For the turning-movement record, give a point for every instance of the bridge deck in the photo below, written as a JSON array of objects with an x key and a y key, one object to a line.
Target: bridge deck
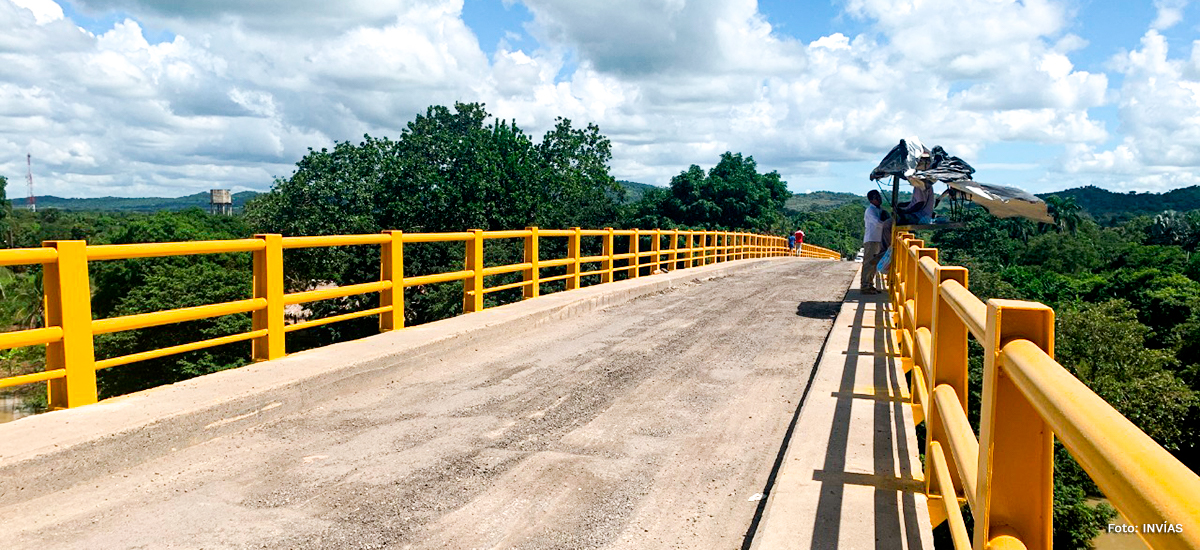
[{"x": 651, "y": 424}]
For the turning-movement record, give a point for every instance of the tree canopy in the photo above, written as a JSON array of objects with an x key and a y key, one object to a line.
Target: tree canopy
[{"x": 732, "y": 195}]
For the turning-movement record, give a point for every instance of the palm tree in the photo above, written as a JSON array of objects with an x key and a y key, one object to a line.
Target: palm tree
[
  {"x": 22, "y": 299},
  {"x": 1066, "y": 213},
  {"x": 1170, "y": 227}
]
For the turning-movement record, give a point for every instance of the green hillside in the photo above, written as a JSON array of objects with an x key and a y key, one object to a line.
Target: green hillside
[
  {"x": 818, "y": 201},
  {"x": 124, "y": 204},
  {"x": 1108, "y": 207},
  {"x": 635, "y": 190}
]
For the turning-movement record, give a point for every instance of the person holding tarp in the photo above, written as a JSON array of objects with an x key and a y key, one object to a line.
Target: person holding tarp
[
  {"x": 874, "y": 224},
  {"x": 919, "y": 210},
  {"x": 911, "y": 161}
]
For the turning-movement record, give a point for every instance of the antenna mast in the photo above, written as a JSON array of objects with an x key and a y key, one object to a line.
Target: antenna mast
[{"x": 29, "y": 178}]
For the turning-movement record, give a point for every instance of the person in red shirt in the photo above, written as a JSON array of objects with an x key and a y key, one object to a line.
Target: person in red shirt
[{"x": 799, "y": 241}]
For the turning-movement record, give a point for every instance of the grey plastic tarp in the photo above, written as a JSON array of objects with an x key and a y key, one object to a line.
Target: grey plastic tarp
[{"x": 1003, "y": 201}]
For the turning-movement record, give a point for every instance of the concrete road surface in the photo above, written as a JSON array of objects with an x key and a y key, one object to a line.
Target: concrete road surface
[{"x": 650, "y": 424}]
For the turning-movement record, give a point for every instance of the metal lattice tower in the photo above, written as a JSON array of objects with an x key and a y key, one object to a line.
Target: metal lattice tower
[{"x": 29, "y": 178}]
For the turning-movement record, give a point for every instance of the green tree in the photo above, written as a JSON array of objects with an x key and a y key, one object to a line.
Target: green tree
[
  {"x": 449, "y": 170},
  {"x": 1066, "y": 212},
  {"x": 732, "y": 195},
  {"x": 127, "y": 287},
  {"x": 1170, "y": 227},
  {"x": 1137, "y": 381},
  {"x": 839, "y": 229},
  {"x": 985, "y": 241},
  {"x": 167, "y": 285},
  {"x": 1062, "y": 253}
]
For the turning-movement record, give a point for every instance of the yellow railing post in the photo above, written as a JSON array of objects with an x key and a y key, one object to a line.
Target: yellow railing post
[
  {"x": 1016, "y": 452},
  {"x": 674, "y": 249},
  {"x": 635, "y": 262},
  {"x": 391, "y": 268},
  {"x": 68, "y": 301},
  {"x": 691, "y": 251},
  {"x": 924, "y": 295},
  {"x": 609, "y": 251},
  {"x": 473, "y": 286},
  {"x": 923, "y": 298},
  {"x": 657, "y": 249},
  {"x": 895, "y": 276},
  {"x": 268, "y": 285},
  {"x": 740, "y": 241},
  {"x": 709, "y": 247},
  {"x": 532, "y": 275},
  {"x": 910, "y": 269},
  {"x": 949, "y": 365},
  {"x": 573, "y": 252}
]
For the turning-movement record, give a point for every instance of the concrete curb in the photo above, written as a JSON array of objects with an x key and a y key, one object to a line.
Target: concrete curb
[{"x": 50, "y": 452}]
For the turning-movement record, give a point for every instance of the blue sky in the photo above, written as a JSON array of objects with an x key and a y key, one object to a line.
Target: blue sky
[{"x": 155, "y": 97}]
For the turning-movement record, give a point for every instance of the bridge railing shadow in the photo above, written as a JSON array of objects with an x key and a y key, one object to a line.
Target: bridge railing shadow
[{"x": 868, "y": 359}]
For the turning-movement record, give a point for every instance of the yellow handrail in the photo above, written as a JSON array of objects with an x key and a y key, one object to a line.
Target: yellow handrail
[
  {"x": 69, "y": 335},
  {"x": 1006, "y": 473},
  {"x": 806, "y": 250}
]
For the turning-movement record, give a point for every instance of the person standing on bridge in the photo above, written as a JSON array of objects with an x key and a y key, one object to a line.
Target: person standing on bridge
[
  {"x": 799, "y": 237},
  {"x": 873, "y": 225}
]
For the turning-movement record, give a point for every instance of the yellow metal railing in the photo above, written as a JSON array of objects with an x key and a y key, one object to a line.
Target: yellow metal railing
[
  {"x": 69, "y": 333},
  {"x": 1006, "y": 474},
  {"x": 811, "y": 251}
]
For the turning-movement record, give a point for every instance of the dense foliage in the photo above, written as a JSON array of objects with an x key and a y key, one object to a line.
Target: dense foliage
[
  {"x": 731, "y": 195},
  {"x": 839, "y": 229},
  {"x": 134, "y": 286},
  {"x": 449, "y": 170}
]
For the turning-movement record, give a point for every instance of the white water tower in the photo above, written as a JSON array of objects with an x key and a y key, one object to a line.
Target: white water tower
[{"x": 220, "y": 202}]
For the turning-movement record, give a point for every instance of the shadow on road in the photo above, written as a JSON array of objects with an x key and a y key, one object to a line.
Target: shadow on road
[{"x": 818, "y": 310}]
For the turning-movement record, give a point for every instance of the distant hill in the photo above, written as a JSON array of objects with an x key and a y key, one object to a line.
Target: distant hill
[
  {"x": 1107, "y": 207},
  {"x": 818, "y": 201},
  {"x": 635, "y": 190},
  {"x": 123, "y": 204}
]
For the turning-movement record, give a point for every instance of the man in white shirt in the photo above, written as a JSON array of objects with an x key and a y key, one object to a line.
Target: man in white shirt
[{"x": 873, "y": 229}]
